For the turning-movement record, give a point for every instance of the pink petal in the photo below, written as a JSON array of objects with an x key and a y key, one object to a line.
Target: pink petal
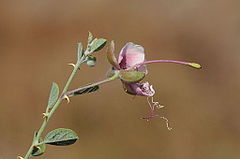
[
  {"x": 142, "y": 68},
  {"x": 143, "y": 89},
  {"x": 130, "y": 55}
]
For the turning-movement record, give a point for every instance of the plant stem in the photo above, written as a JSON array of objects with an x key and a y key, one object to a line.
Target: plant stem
[
  {"x": 56, "y": 105},
  {"x": 115, "y": 76}
]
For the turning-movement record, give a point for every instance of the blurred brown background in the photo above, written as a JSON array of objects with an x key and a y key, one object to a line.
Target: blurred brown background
[{"x": 38, "y": 39}]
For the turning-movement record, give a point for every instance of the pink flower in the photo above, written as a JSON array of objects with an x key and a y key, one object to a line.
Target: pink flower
[
  {"x": 132, "y": 57},
  {"x": 132, "y": 65}
]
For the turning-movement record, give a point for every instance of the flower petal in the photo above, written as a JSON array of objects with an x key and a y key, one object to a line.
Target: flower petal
[
  {"x": 142, "y": 68},
  {"x": 142, "y": 89},
  {"x": 130, "y": 55}
]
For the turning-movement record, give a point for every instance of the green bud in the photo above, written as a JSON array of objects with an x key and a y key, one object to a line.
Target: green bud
[{"x": 91, "y": 61}]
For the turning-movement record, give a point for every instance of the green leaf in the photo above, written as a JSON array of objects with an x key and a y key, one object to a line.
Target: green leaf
[
  {"x": 80, "y": 51},
  {"x": 39, "y": 149},
  {"x": 97, "y": 44},
  {"x": 85, "y": 91},
  {"x": 131, "y": 76},
  {"x": 61, "y": 137},
  {"x": 90, "y": 37},
  {"x": 53, "y": 95}
]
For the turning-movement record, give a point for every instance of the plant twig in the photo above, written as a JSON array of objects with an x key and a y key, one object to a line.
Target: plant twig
[{"x": 48, "y": 115}]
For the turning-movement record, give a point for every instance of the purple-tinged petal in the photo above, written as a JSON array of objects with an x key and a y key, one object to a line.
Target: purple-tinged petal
[
  {"x": 131, "y": 55},
  {"x": 142, "y": 89},
  {"x": 142, "y": 68}
]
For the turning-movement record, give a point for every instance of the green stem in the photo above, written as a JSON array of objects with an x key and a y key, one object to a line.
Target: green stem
[
  {"x": 115, "y": 76},
  {"x": 49, "y": 114}
]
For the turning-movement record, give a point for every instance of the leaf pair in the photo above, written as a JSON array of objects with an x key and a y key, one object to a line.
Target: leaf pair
[{"x": 95, "y": 44}]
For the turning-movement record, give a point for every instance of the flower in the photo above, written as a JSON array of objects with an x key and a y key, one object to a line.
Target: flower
[
  {"x": 132, "y": 57},
  {"x": 129, "y": 58},
  {"x": 131, "y": 66}
]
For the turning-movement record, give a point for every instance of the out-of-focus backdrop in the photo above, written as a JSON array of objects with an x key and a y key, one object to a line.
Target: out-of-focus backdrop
[{"x": 38, "y": 39}]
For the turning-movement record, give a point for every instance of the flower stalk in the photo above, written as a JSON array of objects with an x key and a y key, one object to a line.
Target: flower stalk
[{"x": 115, "y": 76}]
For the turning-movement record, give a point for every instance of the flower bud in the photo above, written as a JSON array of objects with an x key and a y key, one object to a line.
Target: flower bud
[{"x": 91, "y": 61}]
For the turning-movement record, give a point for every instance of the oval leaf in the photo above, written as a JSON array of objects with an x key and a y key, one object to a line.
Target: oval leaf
[
  {"x": 131, "y": 76},
  {"x": 87, "y": 90},
  {"x": 53, "y": 95},
  {"x": 97, "y": 44},
  {"x": 61, "y": 137}
]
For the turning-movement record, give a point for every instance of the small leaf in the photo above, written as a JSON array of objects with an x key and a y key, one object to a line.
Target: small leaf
[
  {"x": 39, "y": 150},
  {"x": 80, "y": 51},
  {"x": 87, "y": 90},
  {"x": 61, "y": 137},
  {"x": 131, "y": 76},
  {"x": 53, "y": 95},
  {"x": 97, "y": 44},
  {"x": 90, "y": 37}
]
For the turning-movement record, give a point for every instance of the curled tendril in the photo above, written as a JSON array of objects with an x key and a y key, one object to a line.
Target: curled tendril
[{"x": 152, "y": 104}]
